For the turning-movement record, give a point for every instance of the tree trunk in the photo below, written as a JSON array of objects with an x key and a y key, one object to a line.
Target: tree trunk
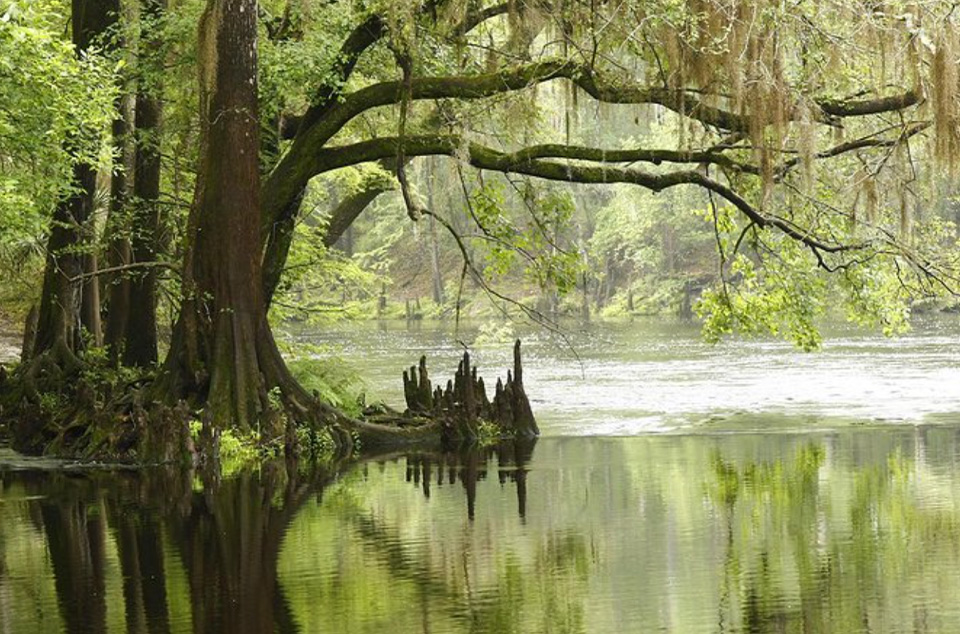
[
  {"x": 29, "y": 333},
  {"x": 63, "y": 296},
  {"x": 141, "y": 325},
  {"x": 58, "y": 323},
  {"x": 119, "y": 225},
  {"x": 223, "y": 355},
  {"x": 90, "y": 289}
]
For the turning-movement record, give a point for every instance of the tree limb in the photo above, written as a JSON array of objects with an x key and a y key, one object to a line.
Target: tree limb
[
  {"x": 516, "y": 163},
  {"x": 290, "y": 176}
]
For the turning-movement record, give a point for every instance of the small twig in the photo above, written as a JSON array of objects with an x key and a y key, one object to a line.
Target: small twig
[{"x": 126, "y": 267}]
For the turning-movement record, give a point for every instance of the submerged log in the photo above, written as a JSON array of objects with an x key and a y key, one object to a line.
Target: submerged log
[{"x": 463, "y": 406}]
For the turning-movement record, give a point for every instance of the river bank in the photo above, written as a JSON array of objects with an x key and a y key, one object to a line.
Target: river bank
[{"x": 727, "y": 482}]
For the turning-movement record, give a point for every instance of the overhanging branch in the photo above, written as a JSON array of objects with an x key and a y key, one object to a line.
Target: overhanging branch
[{"x": 587, "y": 172}]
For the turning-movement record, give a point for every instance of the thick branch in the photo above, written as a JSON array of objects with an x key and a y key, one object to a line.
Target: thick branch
[
  {"x": 516, "y": 163},
  {"x": 424, "y": 145},
  {"x": 284, "y": 186},
  {"x": 307, "y": 156},
  {"x": 337, "y": 157},
  {"x": 365, "y": 35},
  {"x": 281, "y": 235},
  {"x": 476, "y": 18},
  {"x": 863, "y": 107},
  {"x": 291, "y": 175},
  {"x": 360, "y": 39},
  {"x": 610, "y": 90},
  {"x": 350, "y": 208}
]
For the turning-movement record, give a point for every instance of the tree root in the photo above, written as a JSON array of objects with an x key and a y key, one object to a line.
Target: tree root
[{"x": 57, "y": 404}]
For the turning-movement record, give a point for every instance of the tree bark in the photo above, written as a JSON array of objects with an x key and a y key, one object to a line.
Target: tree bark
[
  {"x": 140, "y": 347},
  {"x": 119, "y": 226},
  {"x": 223, "y": 355},
  {"x": 58, "y": 323},
  {"x": 90, "y": 319}
]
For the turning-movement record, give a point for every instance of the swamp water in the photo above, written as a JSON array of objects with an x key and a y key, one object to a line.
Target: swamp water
[{"x": 678, "y": 487}]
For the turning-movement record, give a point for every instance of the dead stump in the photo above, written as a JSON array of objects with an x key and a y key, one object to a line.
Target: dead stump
[{"x": 463, "y": 407}]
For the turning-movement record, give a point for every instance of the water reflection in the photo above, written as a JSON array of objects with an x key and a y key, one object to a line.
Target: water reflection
[
  {"x": 110, "y": 538},
  {"x": 856, "y": 532},
  {"x": 470, "y": 465}
]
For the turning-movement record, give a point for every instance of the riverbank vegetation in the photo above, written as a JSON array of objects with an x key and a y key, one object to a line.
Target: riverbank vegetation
[{"x": 177, "y": 177}]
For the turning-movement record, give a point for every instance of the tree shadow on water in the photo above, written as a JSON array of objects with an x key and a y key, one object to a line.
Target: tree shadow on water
[{"x": 198, "y": 552}]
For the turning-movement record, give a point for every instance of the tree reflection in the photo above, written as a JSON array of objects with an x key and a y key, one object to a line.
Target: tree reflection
[
  {"x": 796, "y": 560},
  {"x": 470, "y": 464},
  {"x": 226, "y": 533},
  {"x": 230, "y": 539},
  {"x": 76, "y": 529},
  {"x": 846, "y": 533}
]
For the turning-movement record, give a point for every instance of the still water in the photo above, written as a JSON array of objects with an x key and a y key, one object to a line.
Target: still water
[{"x": 852, "y": 525}]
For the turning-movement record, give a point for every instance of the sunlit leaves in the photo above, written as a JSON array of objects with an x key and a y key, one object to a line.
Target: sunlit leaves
[
  {"x": 53, "y": 108},
  {"x": 534, "y": 249},
  {"x": 785, "y": 296}
]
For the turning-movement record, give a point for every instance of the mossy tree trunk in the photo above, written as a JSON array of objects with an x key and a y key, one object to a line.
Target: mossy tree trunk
[
  {"x": 117, "y": 284},
  {"x": 58, "y": 321},
  {"x": 223, "y": 356}
]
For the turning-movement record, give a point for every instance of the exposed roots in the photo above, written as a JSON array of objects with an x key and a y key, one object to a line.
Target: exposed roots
[{"x": 59, "y": 404}]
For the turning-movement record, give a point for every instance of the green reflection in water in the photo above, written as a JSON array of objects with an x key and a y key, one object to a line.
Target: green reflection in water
[{"x": 851, "y": 531}]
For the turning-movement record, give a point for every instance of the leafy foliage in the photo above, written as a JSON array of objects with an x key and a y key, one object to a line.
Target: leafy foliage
[
  {"x": 332, "y": 379},
  {"x": 54, "y": 107}
]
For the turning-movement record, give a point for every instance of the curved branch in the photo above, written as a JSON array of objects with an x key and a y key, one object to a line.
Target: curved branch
[
  {"x": 476, "y": 18},
  {"x": 307, "y": 156},
  {"x": 365, "y": 35},
  {"x": 285, "y": 183},
  {"x": 516, "y": 163},
  {"x": 350, "y": 209},
  {"x": 617, "y": 90},
  {"x": 431, "y": 144},
  {"x": 360, "y": 39},
  {"x": 342, "y": 216}
]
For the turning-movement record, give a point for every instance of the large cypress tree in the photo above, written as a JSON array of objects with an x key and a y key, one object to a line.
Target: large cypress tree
[{"x": 223, "y": 355}]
